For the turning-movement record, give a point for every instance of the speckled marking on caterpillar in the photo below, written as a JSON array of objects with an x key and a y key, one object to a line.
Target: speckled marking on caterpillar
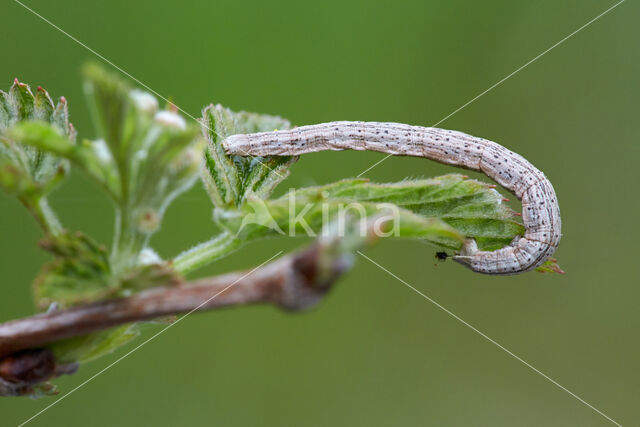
[{"x": 540, "y": 211}]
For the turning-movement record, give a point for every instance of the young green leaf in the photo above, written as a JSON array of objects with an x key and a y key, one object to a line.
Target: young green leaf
[
  {"x": 113, "y": 112},
  {"x": 550, "y": 266},
  {"x": 146, "y": 276},
  {"x": 230, "y": 179},
  {"x": 28, "y": 172},
  {"x": 473, "y": 208},
  {"x": 80, "y": 272},
  {"x": 90, "y": 157},
  {"x": 442, "y": 211},
  {"x": 92, "y": 346}
]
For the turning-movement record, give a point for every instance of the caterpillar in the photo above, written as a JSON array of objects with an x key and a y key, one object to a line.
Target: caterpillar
[{"x": 540, "y": 210}]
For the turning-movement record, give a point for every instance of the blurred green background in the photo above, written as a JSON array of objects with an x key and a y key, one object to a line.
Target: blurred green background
[{"x": 373, "y": 352}]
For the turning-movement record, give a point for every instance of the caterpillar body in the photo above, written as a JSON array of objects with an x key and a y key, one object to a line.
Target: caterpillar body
[{"x": 540, "y": 210}]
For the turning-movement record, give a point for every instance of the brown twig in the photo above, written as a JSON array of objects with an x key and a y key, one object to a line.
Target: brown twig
[{"x": 295, "y": 281}]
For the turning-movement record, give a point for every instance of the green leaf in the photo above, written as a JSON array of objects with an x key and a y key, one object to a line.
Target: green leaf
[
  {"x": 92, "y": 346},
  {"x": 149, "y": 276},
  {"x": 91, "y": 158},
  {"x": 112, "y": 109},
  {"x": 230, "y": 179},
  {"x": 473, "y": 208},
  {"x": 442, "y": 211},
  {"x": 550, "y": 266},
  {"x": 80, "y": 272},
  {"x": 42, "y": 136}
]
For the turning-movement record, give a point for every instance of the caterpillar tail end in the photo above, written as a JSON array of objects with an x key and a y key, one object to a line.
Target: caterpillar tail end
[
  {"x": 500, "y": 262},
  {"x": 466, "y": 255},
  {"x": 520, "y": 256}
]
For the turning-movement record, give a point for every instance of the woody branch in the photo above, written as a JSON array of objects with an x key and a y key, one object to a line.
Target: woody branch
[{"x": 294, "y": 282}]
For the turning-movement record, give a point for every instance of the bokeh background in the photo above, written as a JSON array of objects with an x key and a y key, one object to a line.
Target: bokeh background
[{"x": 373, "y": 352}]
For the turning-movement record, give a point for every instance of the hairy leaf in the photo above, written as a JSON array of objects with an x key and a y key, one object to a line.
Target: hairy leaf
[
  {"x": 92, "y": 346},
  {"x": 230, "y": 179},
  {"x": 79, "y": 273},
  {"x": 113, "y": 111},
  {"x": 26, "y": 171},
  {"x": 92, "y": 158},
  {"x": 473, "y": 208},
  {"x": 442, "y": 211},
  {"x": 148, "y": 276}
]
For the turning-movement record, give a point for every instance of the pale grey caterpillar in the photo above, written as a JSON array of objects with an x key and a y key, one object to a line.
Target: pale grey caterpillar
[{"x": 540, "y": 211}]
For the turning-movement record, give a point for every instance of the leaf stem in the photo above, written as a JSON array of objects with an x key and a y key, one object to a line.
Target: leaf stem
[
  {"x": 44, "y": 215},
  {"x": 206, "y": 252},
  {"x": 127, "y": 241}
]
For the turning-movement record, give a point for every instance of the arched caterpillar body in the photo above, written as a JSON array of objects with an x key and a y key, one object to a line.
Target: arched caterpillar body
[{"x": 540, "y": 211}]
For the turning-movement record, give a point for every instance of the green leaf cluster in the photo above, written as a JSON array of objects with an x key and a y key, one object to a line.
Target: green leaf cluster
[
  {"x": 24, "y": 170},
  {"x": 28, "y": 172},
  {"x": 143, "y": 157}
]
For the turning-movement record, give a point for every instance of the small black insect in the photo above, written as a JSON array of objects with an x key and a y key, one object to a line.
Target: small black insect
[{"x": 441, "y": 256}]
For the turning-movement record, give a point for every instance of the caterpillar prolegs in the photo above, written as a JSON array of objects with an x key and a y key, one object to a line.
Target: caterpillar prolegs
[{"x": 540, "y": 211}]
